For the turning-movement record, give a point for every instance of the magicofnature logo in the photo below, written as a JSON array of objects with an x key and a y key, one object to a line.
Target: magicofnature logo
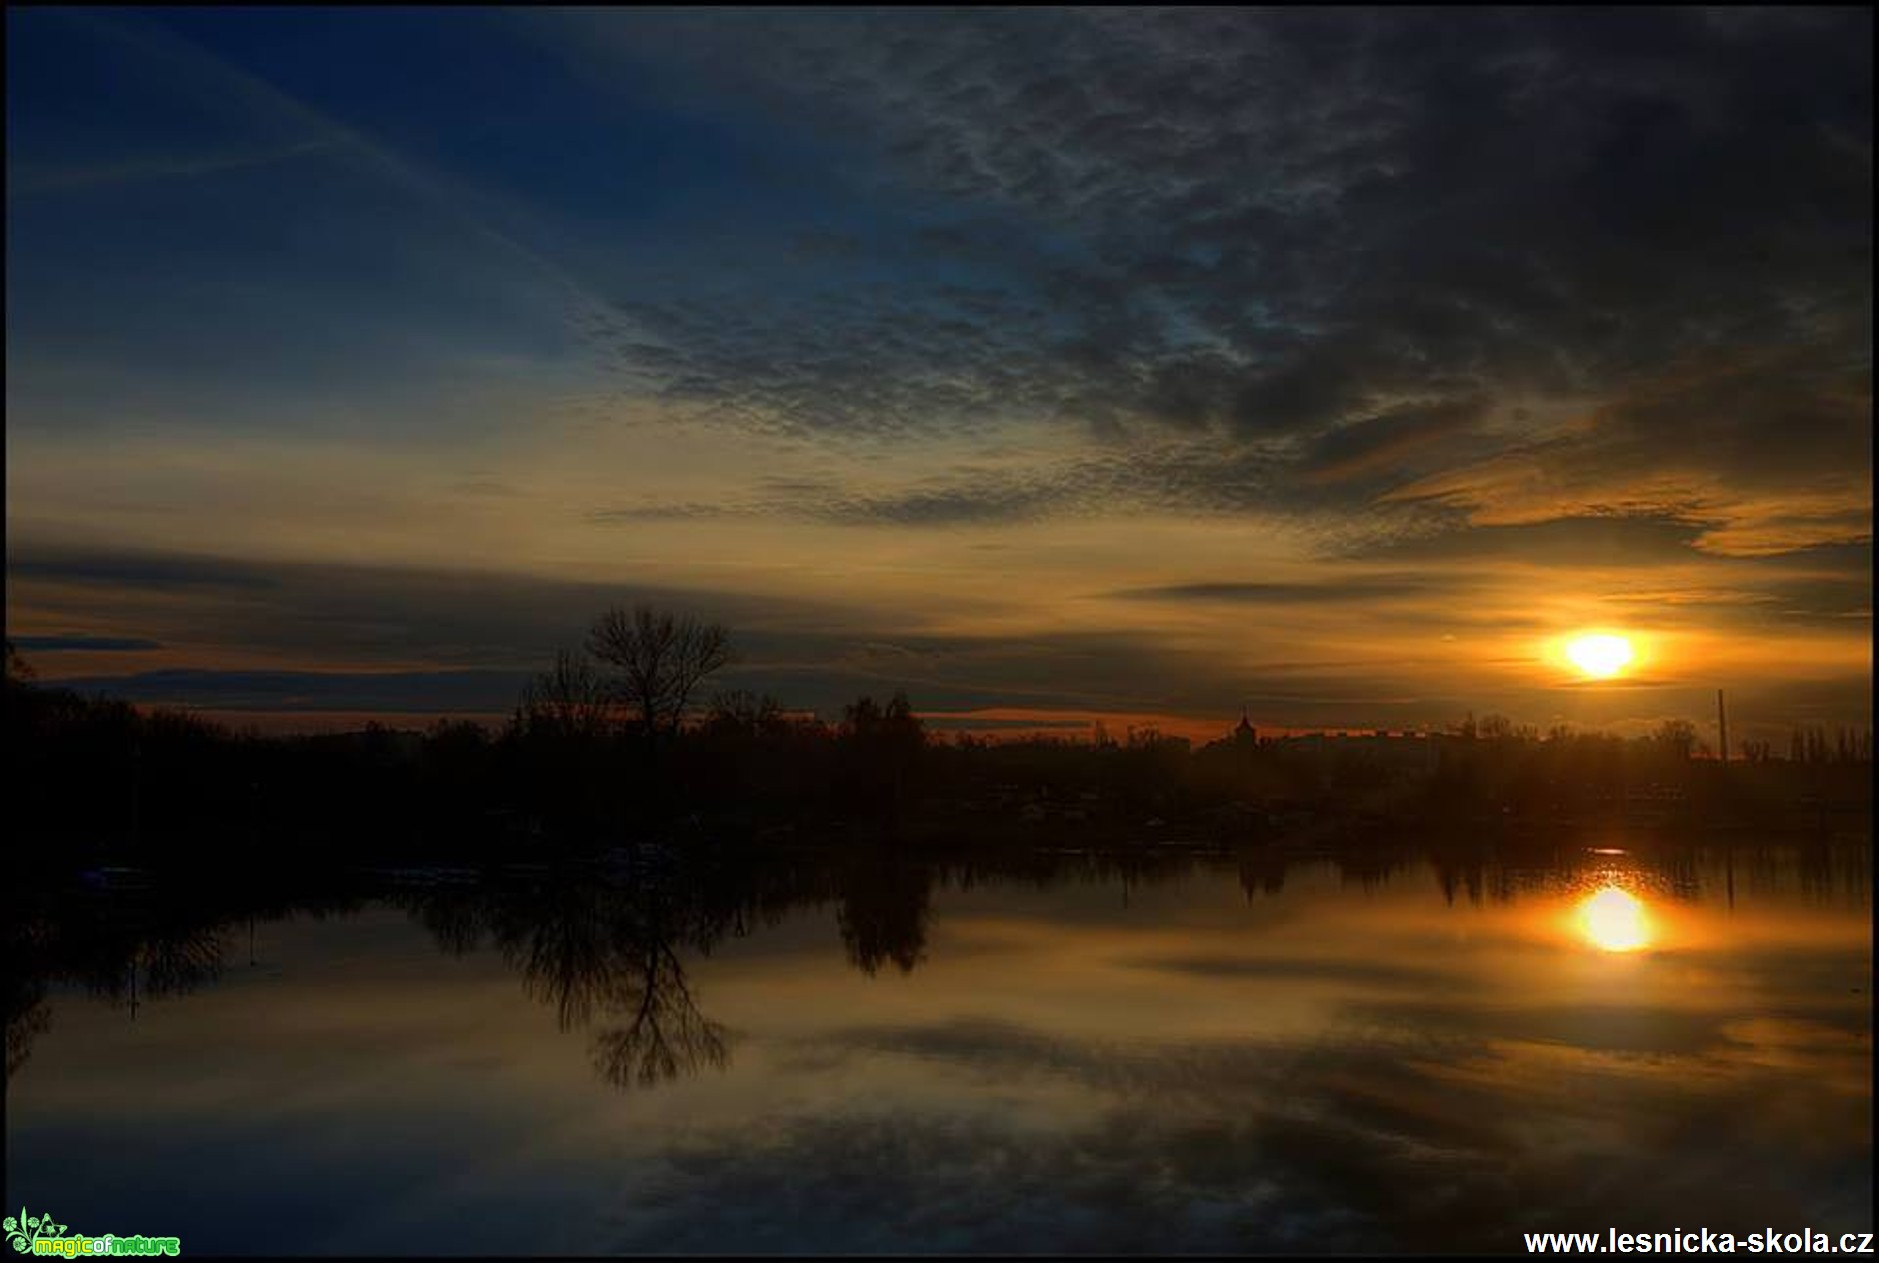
[{"x": 37, "y": 1234}]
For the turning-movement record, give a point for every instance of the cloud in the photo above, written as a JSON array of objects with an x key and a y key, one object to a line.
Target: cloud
[
  {"x": 1385, "y": 449},
  {"x": 1627, "y": 252},
  {"x": 1359, "y": 588},
  {"x": 131, "y": 570},
  {"x": 1605, "y": 539},
  {"x": 1154, "y": 476},
  {"x": 82, "y": 643},
  {"x": 422, "y": 692},
  {"x": 357, "y": 615}
]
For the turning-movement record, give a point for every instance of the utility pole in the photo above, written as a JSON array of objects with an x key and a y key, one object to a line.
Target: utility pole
[{"x": 1722, "y": 723}]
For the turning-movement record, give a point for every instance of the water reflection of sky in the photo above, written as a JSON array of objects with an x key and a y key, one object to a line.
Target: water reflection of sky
[{"x": 1179, "y": 1066}]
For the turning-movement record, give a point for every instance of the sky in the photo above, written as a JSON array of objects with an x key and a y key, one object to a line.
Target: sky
[{"x": 1336, "y": 367}]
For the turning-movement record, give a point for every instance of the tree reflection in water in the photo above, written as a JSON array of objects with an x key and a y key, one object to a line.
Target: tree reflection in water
[
  {"x": 667, "y": 1036},
  {"x": 605, "y": 945},
  {"x": 602, "y": 954},
  {"x": 883, "y": 913},
  {"x": 605, "y": 948},
  {"x": 126, "y": 947}
]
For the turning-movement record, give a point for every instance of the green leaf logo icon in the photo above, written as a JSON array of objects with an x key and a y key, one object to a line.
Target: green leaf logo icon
[{"x": 23, "y": 1231}]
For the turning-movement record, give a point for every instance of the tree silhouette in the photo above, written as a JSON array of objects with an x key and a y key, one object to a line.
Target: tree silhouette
[
  {"x": 739, "y": 713},
  {"x": 884, "y": 745},
  {"x": 1676, "y": 738},
  {"x": 17, "y": 670},
  {"x": 568, "y": 700},
  {"x": 659, "y": 660}
]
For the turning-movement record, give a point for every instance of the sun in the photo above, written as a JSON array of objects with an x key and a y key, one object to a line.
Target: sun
[
  {"x": 1614, "y": 921},
  {"x": 1600, "y": 655}
]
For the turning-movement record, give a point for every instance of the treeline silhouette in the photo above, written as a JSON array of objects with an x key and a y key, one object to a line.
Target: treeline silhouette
[{"x": 610, "y": 744}]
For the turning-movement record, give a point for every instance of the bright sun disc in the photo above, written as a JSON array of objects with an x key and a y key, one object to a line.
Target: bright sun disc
[
  {"x": 1600, "y": 656},
  {"x": 1614, "y": 921}
]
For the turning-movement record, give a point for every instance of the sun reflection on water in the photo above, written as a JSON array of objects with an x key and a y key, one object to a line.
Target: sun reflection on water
[{"x": 1614, "y": 920}]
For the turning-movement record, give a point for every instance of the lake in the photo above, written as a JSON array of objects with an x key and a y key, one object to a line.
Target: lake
[{"x": 1063, "y": 1052}]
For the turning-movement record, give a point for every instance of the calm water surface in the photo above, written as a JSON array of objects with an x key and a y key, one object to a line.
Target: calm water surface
[{"x": 1193, "y": 1055}]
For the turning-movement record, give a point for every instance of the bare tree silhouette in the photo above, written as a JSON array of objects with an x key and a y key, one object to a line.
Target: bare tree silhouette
[
  {"x": 659, "y": 659},
  {"x": 569, "y": 699},
  {"x": 741, "y": 713}
]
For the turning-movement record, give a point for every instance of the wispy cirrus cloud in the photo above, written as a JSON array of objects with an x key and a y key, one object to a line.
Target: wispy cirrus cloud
[{"x": 1585, "y": 241}]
